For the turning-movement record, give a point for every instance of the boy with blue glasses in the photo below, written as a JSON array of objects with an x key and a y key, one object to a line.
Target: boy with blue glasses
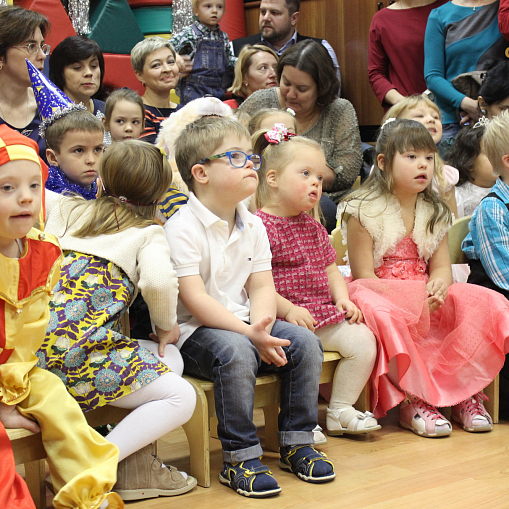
[{"x": 227, "y": 309}]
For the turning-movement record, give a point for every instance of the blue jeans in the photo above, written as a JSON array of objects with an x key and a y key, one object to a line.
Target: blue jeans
[{"x": 232, "y": 362}]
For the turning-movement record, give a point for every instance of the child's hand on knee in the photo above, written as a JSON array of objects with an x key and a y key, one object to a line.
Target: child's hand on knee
[
  {"x": 437, "y": 292},
  {"x": 164, "y": 338},
  {"x": 268, "y": 346},
  {"x": 301, "y": 316},
  {"x": 11, "y": 418},
  {"x": 352, "y": 312}
]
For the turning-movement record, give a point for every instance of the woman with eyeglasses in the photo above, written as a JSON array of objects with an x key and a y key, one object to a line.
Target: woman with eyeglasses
[
  {"x": 76, "y": 66},
  {"x": 22, "y": 35}
]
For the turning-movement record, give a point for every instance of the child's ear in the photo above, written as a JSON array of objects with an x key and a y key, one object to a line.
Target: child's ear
[
  {"x": 271, "y": 179},
  {"x": 505, "y": 161},
  {"x": 380, "y": 161},
  {"x": 105, "y": 124},
  {"x": 199, "y": 172},
  {"x": 51, "y": 157}
]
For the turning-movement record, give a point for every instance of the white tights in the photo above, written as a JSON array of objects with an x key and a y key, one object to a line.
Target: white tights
[
  {"x": 158, "y": 408},
  {"x": 357, "y": 345}
]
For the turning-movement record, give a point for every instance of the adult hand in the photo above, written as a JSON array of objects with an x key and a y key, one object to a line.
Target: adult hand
[
  {"x": 164, "y": 338},
  {"x": 268, "y": 346},
  {"x": 301, "y": 316},
  {"x": 11, "y": 418},
  {"x": 470, "y": 108}
]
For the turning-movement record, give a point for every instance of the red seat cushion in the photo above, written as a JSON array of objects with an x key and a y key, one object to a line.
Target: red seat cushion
[
  {"x": 118, "y": 73},
  {"x": 61, "y": 26}
]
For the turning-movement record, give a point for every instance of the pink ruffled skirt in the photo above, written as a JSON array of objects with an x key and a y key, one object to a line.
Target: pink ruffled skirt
[{"x": 443, "y": 357}]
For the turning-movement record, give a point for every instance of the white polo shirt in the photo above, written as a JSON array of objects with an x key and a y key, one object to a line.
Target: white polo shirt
[{"x": 200, "y": 244}]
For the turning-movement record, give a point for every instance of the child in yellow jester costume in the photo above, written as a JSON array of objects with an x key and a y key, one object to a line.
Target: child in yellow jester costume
[{"x": 82, "y": 463}]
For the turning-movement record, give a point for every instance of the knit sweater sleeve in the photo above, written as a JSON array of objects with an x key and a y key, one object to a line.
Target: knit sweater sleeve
[
  {"x": 265, "y": 98},
  {"x": 343, "y": 150},
  {"x": 157, "y": 280}
]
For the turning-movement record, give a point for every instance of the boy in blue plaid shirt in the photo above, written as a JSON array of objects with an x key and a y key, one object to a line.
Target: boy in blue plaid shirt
[
  {"x": 209, "y": 48},
  {"x": 487, "y": 244}
]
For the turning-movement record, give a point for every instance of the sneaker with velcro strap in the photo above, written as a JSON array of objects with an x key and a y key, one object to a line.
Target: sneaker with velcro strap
[
  {"x": 250, "y": 478},
  {"x": 307, "y": 463}
]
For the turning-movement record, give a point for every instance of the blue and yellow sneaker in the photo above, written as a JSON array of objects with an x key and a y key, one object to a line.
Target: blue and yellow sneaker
[
  {"x": 307, "y": 463},
  {"x": 250, "y": 478}
]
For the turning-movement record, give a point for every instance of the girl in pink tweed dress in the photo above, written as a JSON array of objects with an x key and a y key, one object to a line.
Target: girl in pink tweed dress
[
  {"x": 311, "y": 291},
  {"x": 440, "y": 344}
]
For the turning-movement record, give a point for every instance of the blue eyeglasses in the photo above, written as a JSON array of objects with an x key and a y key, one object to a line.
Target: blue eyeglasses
[{"x": 238, "y": 159}]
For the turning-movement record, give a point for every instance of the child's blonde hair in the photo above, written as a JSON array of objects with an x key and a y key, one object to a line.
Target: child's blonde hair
[
  {"x": 200, "y": 139},
  {"x": 134, "y": 175},
  {"x": 242, "y": 116},
  {"x": 496, "y": 140},
  {"x": 261, "y": 115},
  {"x": 397, "y": 137},
  {"x": 122, "y": 94},
  {"x": 409, "y": 103},
  {"x": 276, "y": 157},
  {"x": 196, "y": 3}
]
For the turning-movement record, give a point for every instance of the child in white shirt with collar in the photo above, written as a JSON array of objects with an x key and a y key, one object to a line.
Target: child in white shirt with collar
[{"x": 227, "y": 303}]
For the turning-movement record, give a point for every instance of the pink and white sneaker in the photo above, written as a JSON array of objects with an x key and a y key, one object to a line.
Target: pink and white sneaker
[
  {"x": 472, "y": 415},
  {"x": 422, "y": 418}
]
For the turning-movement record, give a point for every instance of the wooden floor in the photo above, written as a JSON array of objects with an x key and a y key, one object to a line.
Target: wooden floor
[{"x": 391, "y": 468}]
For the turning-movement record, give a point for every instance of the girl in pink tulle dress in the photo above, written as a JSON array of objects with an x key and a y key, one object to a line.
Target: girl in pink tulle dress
[{"x": 439, "y": 344}]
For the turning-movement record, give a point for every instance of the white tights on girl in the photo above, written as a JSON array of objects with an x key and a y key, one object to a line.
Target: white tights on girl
[
  {"x": 357, "y": 347},
  {"x": 158, "y": 408}
]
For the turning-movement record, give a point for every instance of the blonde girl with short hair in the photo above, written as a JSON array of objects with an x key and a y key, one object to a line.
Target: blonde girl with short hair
[
  {"x": 311, "y": 291},
  {"x": 113, "y": 248},
  {"x": 266, "y": 118}
]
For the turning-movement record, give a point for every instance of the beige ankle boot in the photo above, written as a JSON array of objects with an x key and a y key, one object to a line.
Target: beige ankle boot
[{"x": 141, "y": 475}]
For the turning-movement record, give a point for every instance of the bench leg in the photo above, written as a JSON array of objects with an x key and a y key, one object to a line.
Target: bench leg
[
  {"x": 197, "y": 431},
  {"x": 271, "y": 427},
  {"x": 34, "y": 477},
  {"x": 493, "y": 392}
]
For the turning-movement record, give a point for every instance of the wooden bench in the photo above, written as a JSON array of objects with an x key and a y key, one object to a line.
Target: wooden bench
[
  {"x": 28, "y": 448},
  {"x": 267, "y": 390},
  {"x": 29, "y": 451}
]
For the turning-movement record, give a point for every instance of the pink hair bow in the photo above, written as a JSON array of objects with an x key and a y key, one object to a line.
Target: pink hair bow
[{"x": 278, "y": 134}]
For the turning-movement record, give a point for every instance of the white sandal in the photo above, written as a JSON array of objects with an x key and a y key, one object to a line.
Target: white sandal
[{"x": 358, "y": 422}]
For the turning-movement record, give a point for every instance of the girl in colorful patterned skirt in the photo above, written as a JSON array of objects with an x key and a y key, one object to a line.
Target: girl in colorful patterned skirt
[{"x": 112, "y": 249}]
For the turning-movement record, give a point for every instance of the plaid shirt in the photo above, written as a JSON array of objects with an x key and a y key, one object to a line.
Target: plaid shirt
[
  {"x": 488, "y": 239},
  {"x": 188, "y": 36}
]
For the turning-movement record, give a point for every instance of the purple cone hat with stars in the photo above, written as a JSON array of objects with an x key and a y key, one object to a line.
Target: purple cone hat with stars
[{"x": 51, "y": 101}]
